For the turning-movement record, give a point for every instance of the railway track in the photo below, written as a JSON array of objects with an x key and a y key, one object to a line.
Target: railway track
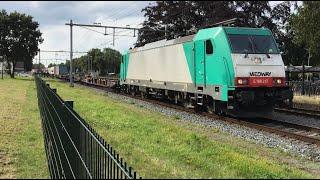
[
  {"x": 290, "y": 130},
  {"x": 299, "y": 111}
]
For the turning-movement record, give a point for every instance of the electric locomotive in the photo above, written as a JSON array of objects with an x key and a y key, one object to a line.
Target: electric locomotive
[{"x": 227, "y": 70}]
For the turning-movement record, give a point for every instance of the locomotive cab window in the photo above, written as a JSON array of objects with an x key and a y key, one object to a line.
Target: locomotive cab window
[
  {"x": 253, "y": 44},
  {"x": 209, "y": 47}
]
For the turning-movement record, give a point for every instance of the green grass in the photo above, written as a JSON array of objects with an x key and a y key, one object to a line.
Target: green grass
[
  {"x": 22, "y": 152},
  {"x": 307, "y": 100},
  {"x": 159, "y": 146}
]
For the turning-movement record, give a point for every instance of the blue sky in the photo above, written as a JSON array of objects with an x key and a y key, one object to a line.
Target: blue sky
[{"x": 52, "y": 16}]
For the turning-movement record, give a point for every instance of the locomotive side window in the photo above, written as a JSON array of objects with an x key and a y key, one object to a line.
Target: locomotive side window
[{"x": 209, "y": 47}]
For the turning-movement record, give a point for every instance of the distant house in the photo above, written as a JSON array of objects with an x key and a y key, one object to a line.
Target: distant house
[
  {"x": 19, "y": 67},
  {"x": 35, "y": 71},
  {"x": 3, "y": 66}
]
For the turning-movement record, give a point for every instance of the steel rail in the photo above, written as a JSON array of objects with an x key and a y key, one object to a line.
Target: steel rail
[{"x": 299, "y": 111}]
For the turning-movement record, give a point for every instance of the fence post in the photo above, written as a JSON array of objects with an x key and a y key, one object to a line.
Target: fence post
[
  {"x": 69, "y": 103},
  {"x": 309, "y": 90},
  {"x": 303, "y": 74}
]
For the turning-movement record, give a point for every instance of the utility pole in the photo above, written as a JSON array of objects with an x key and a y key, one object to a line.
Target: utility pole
[
  {"x": 91, "y": 59},
  {"x": 114, "y": 33},
  {"x": 39, "y": 62},
  {"x": 309, "y": 56},
  {"x": 71, "y": 71},
  {"x": 88, "y": 59},
  {"x": 56, "y": 54}
]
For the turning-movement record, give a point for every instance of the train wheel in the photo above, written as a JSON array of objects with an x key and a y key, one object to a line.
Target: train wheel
[
  {"x": 210, "y": 109},
  {"x": 143, "y": 95},
  {"x": 217, "y": 107},
  {"x": 210, "y": 106},
  {"x": 187, "y": 104}
]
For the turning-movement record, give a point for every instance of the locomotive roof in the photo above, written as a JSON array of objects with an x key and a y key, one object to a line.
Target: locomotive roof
[
  {"x": 163, "y": 43},
  {"x": 202, "y": 34}
]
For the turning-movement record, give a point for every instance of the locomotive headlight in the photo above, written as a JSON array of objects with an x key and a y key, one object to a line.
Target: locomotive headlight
[
  {"x": 241, "y": 81},
  {"x": 278, "y": 81}
]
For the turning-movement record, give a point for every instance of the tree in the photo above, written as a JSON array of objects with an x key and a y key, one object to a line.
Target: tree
[
  {"x": 36, "y": 66},
  {"x": 306, "y": 29},
  {"x": 281, "y": 14},
  {"x": 180, "y": 17},
  {"x": 20, "y": 38},
  {"x": 51, "y": 65},
  {"x": 4, "y": 31},
  {"x": 105, "y": 61}
]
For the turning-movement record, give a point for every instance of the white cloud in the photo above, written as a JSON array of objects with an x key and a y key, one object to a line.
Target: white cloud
[
  {"x": 34, "y": 4},
  {"x": 57, "y": 37},
  {"x": 53, "y": 15}
]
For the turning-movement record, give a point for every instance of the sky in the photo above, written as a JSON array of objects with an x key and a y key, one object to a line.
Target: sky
[{"x": 53, "y": 15}]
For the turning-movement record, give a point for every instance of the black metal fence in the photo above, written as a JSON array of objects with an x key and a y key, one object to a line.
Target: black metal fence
[
  {"x": 73, "y": 149},
  {"x": 307, "y": 88}
]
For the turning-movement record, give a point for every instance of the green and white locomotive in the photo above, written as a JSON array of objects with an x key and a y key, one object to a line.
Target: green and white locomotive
[{"x": 227, "y": 70}]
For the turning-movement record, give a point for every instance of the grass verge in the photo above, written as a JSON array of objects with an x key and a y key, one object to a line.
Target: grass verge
[
  {"x": 22, "y": 152},
  {"x": 307, "y": 100},
  {"x": 159, "y": 146}
]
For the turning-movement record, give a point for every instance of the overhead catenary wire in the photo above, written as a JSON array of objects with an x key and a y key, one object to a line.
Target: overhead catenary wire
[
  {"x": 128, "y": 13},
  {"x": 124, "y": 9},
  {"x": 104, "y": 33},
  {"x": 105, "y": 43},
  {"x": 93, "y": 30},
  {"x": 118, "y": 33},
  {"x": 120, "y": 13},
  {"x": 142, "y": 8}
]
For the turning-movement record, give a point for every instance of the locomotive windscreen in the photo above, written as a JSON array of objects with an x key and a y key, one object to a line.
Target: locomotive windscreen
[{"x": 252, "y": 44}]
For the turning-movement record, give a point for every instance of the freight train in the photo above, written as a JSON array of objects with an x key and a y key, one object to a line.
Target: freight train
[
  {"x": 58, "y": 70},
  {"x": 226, "y": 70}
]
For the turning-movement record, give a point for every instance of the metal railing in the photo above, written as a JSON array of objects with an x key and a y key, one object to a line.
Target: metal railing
[
  {"x": 73, "y": 148},
  {"x": 307, "y": 88}
]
